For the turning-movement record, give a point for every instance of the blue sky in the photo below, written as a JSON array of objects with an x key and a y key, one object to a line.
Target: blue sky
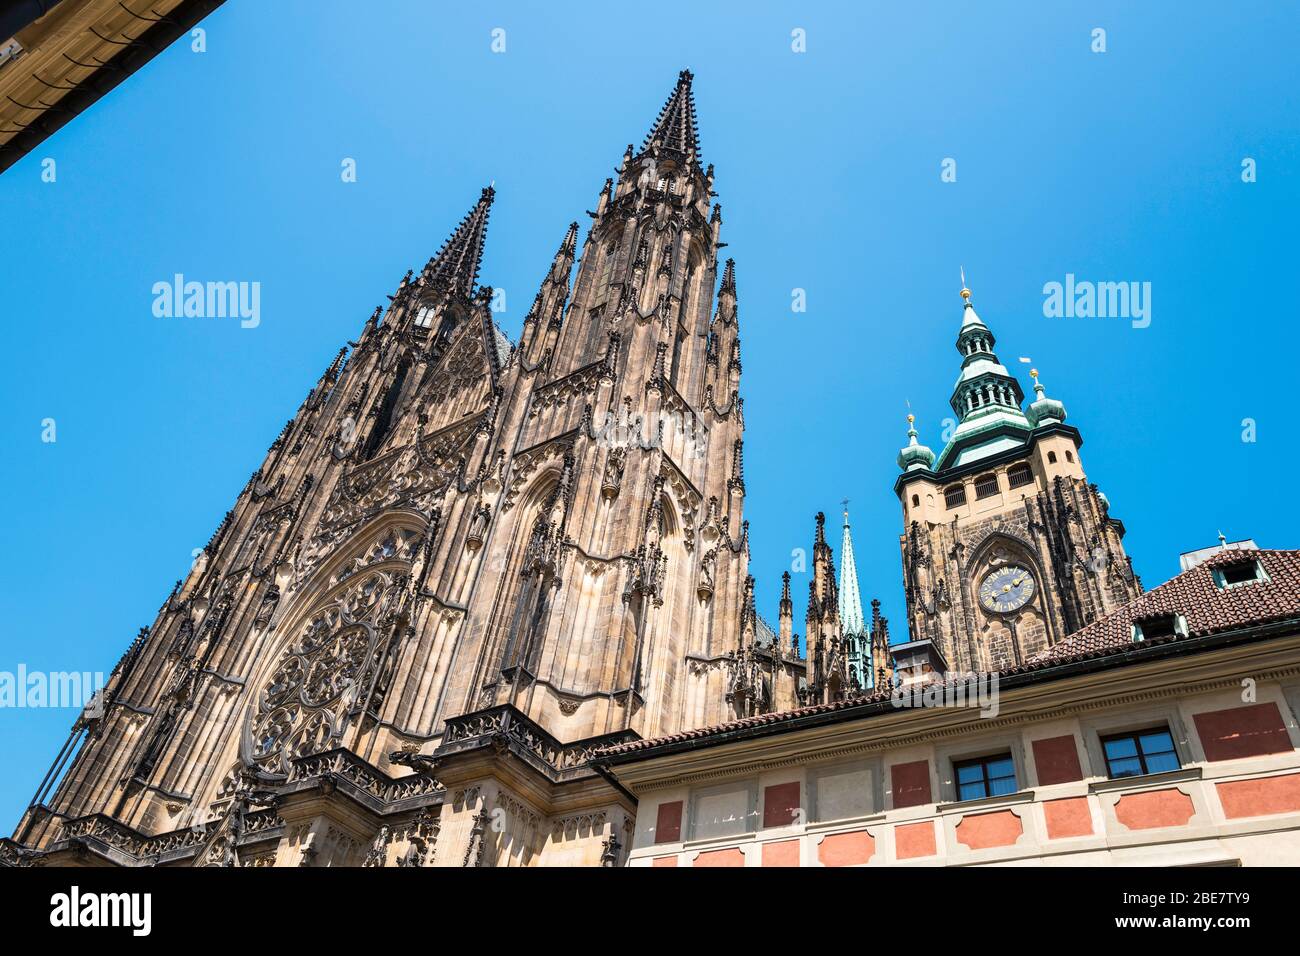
[{"x": 224, "y": 165}]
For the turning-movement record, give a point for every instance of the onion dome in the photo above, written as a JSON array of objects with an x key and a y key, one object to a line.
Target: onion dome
[
  {"x": 914, "y": 455},
  {"x": 1043, "y": 409}
]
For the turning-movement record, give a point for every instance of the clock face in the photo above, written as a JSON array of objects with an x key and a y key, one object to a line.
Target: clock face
[{"x": 1006, "y": 589}]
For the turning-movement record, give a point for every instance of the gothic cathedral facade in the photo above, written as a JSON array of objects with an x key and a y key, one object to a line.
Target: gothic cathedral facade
[
  {"x": 466, "y": 566},
  {"x": 461, "y": 549}
]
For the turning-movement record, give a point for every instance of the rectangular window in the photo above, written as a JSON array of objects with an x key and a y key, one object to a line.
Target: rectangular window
[
  {"x": 722, "y": 811},
  {"x": 1158, "y": 627},
  {"x": 1138, "y": 753},
  {"x": 955, "y": 496},
  {"x": 1234, "y": 575},
  {"x": 986, "y": 486},
  {"x": 841, "y": 793},
  {"x": 985, "y": 777}
]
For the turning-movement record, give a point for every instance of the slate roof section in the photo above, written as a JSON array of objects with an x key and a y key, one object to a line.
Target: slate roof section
[{"x": 1195, "y": 594}]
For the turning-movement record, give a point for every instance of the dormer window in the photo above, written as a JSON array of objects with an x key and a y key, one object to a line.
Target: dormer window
[
  {"x": 1239, "y": 573},
  {"x": 954, "y": 496},
  {"x": 1157, "y": 627}
]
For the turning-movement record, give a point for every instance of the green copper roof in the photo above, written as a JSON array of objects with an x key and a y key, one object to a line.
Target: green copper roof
[
  {"x": 914, "y": 455},
  {"x": 986, "y": 396},
  {"x": 987, "y": 399},
  {"x": 851, "y": 619}
]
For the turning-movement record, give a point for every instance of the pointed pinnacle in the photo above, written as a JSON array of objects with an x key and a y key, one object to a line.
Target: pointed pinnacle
[
  {"x": 675, "y": 128},
  {"x": 457, "y": 263},
  {"x": 570, "y": 243},
  {"x": 729, "y": 277}
]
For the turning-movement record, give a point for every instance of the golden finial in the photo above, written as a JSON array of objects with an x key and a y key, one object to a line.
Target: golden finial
[
  {"x": 1033, "y": 373},
  {"x": 910, "y": 418},
  {"x": 965, "y": 292}
]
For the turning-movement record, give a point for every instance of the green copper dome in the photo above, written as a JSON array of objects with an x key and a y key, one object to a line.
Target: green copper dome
[
  {"x": 914, "y": 455},
  {"x": 1043, "y": 409}
]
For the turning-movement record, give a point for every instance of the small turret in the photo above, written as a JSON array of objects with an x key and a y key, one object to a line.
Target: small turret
[
  {"x": 1043, "y": 409},
  {"x": 914, "y": 455}
]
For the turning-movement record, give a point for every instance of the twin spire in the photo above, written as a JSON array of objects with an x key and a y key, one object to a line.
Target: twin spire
[{"x": 455, "y": 266}]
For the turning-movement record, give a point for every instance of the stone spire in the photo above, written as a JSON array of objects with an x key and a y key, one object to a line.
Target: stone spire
[
  {"x": 675, "y": 128},
  {"x": 729, "y": 278},
  {"x": 455, "y": 266},
  {"x": 546, "y": 315}
]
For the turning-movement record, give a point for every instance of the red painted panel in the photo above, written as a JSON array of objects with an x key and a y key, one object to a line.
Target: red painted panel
[
  {"x": 914, "y": 839},
  {"x": 1260, "y": 797},
  {"x": 984, "y": 830},
  {"x": 780, "y": 803},
  {"x": 846, "y": 849},
  {"x": 911, "y": 783},
  {"x": 668, "y": 825},
  {"x": 1250, "y": 731},
  {"x": 665, "y": 861},
  {"x": 1154, "y": 808},
  {"x": 1057, "y": 760},
  {"x": 785, "y": 853},
  {"x": 1067, "y": 818},
  {"x": 721, "y": 858}
]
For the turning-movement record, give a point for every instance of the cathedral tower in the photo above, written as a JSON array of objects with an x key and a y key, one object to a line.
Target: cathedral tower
[
  {"x": 1007, "y": 548},
  {"x": 458, "y": 543}
]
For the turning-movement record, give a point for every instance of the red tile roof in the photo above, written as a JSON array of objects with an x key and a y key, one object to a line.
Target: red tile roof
[{"x": 1207, "y": 609}]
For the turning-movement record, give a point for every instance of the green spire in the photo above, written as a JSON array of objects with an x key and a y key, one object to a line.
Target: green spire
[
  {"x": 851, "y": 619},
  {"x": 986, "y": 396}
]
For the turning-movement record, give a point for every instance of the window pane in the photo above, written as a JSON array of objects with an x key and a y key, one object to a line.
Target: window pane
[
  {"x": 842, "y": 794},
  {"x": 1158, "y": 742},
  {"x": 1002, "y": 785},
  {"x": 971, "y": 791},
  {"x": 970, "y": 772},
  {"x": 1001, "y": 767},
  {"x": 1159, "y": 763},
  {"x": 1121, "y": 747},
  {"x": 1125, "y": 767}
]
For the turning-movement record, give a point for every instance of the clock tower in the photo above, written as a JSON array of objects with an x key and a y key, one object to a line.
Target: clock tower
[{"x": 1007, "y": 547}]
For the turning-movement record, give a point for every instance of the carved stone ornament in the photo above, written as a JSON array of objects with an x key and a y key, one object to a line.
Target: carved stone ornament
[{"x": 303, "y": 707}]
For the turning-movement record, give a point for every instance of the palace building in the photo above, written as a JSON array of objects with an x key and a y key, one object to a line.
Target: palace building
[
  {"x": 487, "y": 603},
  {"x": 1162, "y": 734}
]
